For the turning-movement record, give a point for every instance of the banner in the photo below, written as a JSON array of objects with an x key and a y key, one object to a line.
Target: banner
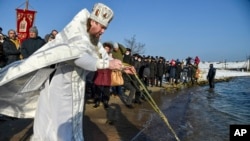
[{"x": 25, "y": 20}]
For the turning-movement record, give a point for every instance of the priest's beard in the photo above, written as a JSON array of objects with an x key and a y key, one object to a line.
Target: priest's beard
[{"x": 94, "y": 40}]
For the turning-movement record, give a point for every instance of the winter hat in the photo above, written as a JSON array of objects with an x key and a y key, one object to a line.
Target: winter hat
[
  {"x": 116, "y": 45},
  {"x": 107, "y": 44},
  {"x": 33, "y": 29},
  {"x": 102, "y": 14},
  {"x": 128, "y": 49}
]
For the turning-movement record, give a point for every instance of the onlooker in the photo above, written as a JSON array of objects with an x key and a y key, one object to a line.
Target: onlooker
[
  {"x": 2, "y": 56},
  {"x": 51, "y": 36},
  {"x": 137, "y": 62},
  {"x": 127, "y": 58},
  {"x": 54, "y": 33},
  {"x": 153, "y": 69},
  {"x": 102, "y": 93},
  {"x": 32, "y": 44},
  {"x": 167, "y": 71},
  {"x": 130, "y": 82},
  {"x": 1, "y": 32},
  {"x": 118, "y": 53},
  {"x": 188, "y": 60},
  {"x": 178, "y": 72},
  {"x": 211, "y": 75},
  {"x": 196, "y": 61},
  {"x": 160, "y": 71},
  {"x": 172, "y": 72},
  {"x": 11, "y": 47}
]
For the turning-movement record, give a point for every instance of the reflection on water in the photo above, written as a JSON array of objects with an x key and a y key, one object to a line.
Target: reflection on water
[{"x": 202, "y": 114}]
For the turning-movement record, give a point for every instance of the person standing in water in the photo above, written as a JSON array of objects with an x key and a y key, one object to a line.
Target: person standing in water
[{"x": 211, "y": 75}]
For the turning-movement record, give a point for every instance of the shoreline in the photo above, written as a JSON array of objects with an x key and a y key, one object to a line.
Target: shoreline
[{"x": 116, "y": 123}]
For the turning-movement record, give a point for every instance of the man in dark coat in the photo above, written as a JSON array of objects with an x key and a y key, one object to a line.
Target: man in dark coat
[
  {"x": 152, "y": 67},
  {"x": 11, "y": 47},
  {"x": 130, "y": 82},
  {"x": 127, "y": 57},
  {"x": 160, "y": 71},
  {"x": 2, "y": 56},
  {"x": 32, "y": 44},
  {"x": 211, "y": 75}
]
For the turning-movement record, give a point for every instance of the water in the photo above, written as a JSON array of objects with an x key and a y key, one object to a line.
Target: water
[{"x": 201, "y": 114}]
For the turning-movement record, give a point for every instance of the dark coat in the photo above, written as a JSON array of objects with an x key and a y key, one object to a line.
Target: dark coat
[
  {"x": 137, "y": 65},
  {"x": 2, "y": 56},
  {"x": 211, "y": 73},
  {"x": 160, "y": 69},
  {"x": 128, "y": 59},
  {"x": 172, "y": 71},
  {"x": 30, "y": 45},
  {"x": 153, "y": 69},
  {"x": 178, "y": 71},
  {"x": 11, "y": 53}
]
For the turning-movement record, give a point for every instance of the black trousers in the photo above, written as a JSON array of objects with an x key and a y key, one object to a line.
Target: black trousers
[
  {"x": 102, "y": 93},
  {"x": 133, "y": 92},
  {"x": 211, "y": 83}
]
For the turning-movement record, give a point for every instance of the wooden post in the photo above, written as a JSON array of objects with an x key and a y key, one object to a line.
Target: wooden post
[
  {"x": 27, "y": 5},
  {"x": 248, "y": 64}
]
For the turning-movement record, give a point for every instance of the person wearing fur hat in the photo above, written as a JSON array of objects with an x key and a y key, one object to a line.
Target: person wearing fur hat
[{"x": 32, "y": 44}]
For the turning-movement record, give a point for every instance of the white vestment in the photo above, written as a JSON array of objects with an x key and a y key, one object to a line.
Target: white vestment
[{"x": 59, "y": 111}]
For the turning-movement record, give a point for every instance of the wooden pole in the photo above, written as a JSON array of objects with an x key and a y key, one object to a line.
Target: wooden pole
[
  {"x": 248, "y": 64},
  {"x": 27, "y": 5}
]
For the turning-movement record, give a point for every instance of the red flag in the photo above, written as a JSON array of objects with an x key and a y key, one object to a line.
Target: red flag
[{"x": 25, "y": 20}]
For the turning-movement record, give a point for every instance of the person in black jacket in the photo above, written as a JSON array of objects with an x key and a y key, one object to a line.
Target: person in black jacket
[
  {"x": 160, "y": 71},
  {"x": 2, "y": 56},
  {"x": 211, "y": 75},
  {"x": 130, "y": 82},
  {"x": 32, "y": 44},
  {"x": 11, "y": 47},
  {"x": 152, "y": 70}
]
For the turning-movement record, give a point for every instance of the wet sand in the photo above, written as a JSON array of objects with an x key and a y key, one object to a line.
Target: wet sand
[{"x": 113, "y": 124}]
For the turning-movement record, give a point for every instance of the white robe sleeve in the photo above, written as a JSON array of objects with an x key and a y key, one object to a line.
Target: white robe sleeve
[{"x": 89, "y": 62}]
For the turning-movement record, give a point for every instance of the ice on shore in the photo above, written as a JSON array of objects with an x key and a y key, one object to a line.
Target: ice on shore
[{"x": 224, "y": 70}]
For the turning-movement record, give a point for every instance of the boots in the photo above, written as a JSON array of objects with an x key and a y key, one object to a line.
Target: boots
[
  {"x": 105, "y": 103},
  {"x": 97, "y": 104},
  {"x": 138, "y": 101}
]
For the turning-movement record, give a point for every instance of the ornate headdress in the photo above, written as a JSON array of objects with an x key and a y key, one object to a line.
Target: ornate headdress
[{"x": 102, "y": 14}]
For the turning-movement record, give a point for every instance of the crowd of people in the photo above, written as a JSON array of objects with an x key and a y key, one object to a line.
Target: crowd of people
[
  {"x": 152, "y": 70},
  {"x": 64, "y": 88},
  {"x": 12, "y": 50}
]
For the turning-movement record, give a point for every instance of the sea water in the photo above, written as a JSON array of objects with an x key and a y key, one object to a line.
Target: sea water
[{"x": 200, "y": 113}]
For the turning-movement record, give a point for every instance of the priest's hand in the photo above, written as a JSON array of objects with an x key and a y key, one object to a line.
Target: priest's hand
[{"x": 115, "y": 64}]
